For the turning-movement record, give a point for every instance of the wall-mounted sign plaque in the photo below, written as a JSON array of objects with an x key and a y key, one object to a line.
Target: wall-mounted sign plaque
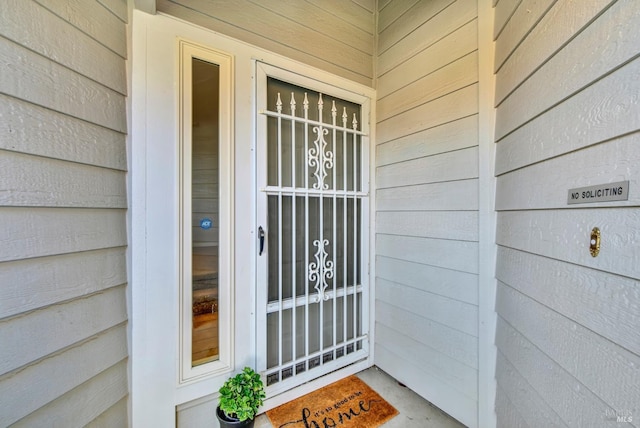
[{"x": 601, "y": 193}]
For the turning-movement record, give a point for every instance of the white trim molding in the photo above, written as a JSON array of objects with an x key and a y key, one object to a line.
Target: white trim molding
[{"x": 486, "y": 218}]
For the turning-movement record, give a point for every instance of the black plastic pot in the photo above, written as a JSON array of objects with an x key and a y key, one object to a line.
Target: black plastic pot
[{"x": 226, "y": 422}]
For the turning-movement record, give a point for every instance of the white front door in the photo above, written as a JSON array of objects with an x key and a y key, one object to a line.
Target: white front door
[{"x": 313, "y": 210}]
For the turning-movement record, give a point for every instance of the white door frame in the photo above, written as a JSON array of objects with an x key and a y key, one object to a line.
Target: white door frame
[{"x": 153, "y": 283}]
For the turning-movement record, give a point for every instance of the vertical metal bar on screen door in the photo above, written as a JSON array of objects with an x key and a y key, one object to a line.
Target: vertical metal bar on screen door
[
  {"x": 305, "y": 105},
  {"x": 280, "y": 233},
  {"x": 294, "y": 294},
  {"x": 321, "y": 244},
  {"x": 355, "y": 234},
  {"x": 344, "y": 223},
  {"x": 335, "y": 225}
]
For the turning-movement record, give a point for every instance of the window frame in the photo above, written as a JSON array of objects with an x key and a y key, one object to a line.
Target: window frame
[{"x": 226, "y": 285}]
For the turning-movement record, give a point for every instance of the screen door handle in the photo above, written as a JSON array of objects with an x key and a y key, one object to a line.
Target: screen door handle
[{"x": 261, "y": 238}]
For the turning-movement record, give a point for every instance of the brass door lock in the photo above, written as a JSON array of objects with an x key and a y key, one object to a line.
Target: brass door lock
[{"x": 594, "y": 243}]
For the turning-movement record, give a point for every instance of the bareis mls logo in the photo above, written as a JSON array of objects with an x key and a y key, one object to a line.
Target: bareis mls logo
[{"x": 623, "y": 416}]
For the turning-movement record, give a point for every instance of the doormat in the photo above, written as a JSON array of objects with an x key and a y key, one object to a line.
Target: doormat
[{"x": 348, "y": 403}]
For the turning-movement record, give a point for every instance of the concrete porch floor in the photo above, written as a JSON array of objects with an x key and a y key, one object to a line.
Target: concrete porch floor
[{"x": 414, "y": 410}]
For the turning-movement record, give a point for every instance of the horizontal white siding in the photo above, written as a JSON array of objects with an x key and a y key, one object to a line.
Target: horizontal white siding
[
  {"x": 458, "y": 225},
  {"x": 36, "y": 27},
  {"x": 595, "y": 299},
  {"x": 567, "y": 99},
  {"x": 37, "y": 79},
  {"x": 444, "y": 282},
  {"x": 588, "y": 58},
  {"x": 455, "y": 135},
  {"x": 448, "y": 196},
  {"x": 399, "y": 18},
  {"x": 63, "y": 318},
  {"x": 563, "y": 21},
  {"x": 37, "y": 181},
  {"x": 89, "y": 404},
  {"x": 114, "y": 416},
  {"x": 34, "y": 283},
  {"x": 435, "y": 25},
  {"x": 435, "y": 85},
  {"x": 427, "y": 201},
  {"x": 525, "y": 16},
  {"x": 503, "y": 11},
  {"x": 562, "y": 340},
  {"x": 456, "y": 105},
  {"x": 517, "y": 399},
  {"x": 78, "y": 363},
  {"x": 29, "y": 232},
  {"x": 102, "y": 20},
  {"x": 451, "y": 47},
  {"x": 335, "y": 35},
  {"x": 454, "y": 345},
  {"x": 35, "y": 130}
]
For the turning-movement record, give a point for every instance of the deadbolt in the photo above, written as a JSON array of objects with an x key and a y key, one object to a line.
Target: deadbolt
[{"x": 594, "y": 243}]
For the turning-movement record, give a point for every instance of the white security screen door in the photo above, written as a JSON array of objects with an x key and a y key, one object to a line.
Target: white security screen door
[{"x": 313, "y": 210}]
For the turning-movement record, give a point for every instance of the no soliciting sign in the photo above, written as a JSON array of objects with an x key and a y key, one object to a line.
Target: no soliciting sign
[{"x": 601, "y": 193}]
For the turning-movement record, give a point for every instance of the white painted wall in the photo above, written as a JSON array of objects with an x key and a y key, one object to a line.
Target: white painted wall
[
  {"x": 567, "y": 97},
  {"x": 333, "y": 35},
  {"x": 427, "y": 210},
  {"x": 63, "y": 314}
]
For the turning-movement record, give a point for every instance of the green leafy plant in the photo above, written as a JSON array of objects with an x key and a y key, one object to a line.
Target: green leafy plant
[{"x": 242, "y": 395}]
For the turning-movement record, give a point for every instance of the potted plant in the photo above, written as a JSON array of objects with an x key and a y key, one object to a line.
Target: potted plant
[{"x": 240, "y": 398}]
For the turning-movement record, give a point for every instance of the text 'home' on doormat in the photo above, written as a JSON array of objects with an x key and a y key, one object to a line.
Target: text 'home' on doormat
[{"x": 348, "y": 403}]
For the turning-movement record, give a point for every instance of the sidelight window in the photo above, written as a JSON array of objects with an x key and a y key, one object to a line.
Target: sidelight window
[{"x": 206, "y": 204}]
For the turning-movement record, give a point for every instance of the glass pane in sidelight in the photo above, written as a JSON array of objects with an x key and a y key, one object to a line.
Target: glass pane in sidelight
[{"x": 205, "y": 211}]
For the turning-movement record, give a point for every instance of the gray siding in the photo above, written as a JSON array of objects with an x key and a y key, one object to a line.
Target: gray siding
[
  {"x": 427, "y": 200},
  {"x": 567, "y": 97},
  {"x": 334, "y": 35},
  {"x": 63, "y": 317}
]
